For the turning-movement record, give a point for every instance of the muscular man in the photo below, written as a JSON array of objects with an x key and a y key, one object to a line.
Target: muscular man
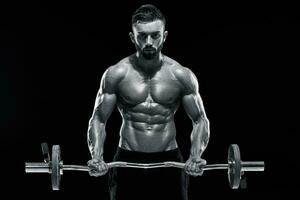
[{"x": 147, "y": 87}]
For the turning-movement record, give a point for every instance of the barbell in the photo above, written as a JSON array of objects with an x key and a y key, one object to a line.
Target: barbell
[{"x": 235, "y": 167}]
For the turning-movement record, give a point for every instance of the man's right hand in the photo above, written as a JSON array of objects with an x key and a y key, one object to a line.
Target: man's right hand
[{"x": 97, "y": 167}]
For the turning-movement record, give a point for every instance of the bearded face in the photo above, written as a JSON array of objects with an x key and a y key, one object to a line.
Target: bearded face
[
  {"x": 149, "y": 38},
  {"x": 149, "y": 52}
]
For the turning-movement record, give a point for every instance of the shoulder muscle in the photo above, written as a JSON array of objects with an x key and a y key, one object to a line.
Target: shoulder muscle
[
  {"x": 187, "y": 78},
  {"x": 112, "y": 77}
]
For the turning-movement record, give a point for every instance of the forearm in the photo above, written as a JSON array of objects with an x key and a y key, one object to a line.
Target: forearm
[
  {"x": 96, "y": 137},
  {"x": 199, "y": 138}
]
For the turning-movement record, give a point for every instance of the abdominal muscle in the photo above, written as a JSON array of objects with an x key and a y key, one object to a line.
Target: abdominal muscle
[{"x": 148, "y": 136}]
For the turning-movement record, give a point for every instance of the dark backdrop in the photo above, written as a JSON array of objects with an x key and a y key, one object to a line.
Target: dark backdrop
[{"x": 53, "y": 55}]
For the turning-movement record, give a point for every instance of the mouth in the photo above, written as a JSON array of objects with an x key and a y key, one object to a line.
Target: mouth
[{"x": 149, "y": 49}]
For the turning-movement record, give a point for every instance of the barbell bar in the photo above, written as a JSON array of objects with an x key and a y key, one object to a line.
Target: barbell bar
[{"x": 55, "y": 167}]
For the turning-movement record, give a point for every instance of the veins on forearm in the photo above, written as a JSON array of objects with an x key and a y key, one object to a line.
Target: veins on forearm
[
  {"x": 199, "y": 137},
  {"x": 96, "y": 137}
]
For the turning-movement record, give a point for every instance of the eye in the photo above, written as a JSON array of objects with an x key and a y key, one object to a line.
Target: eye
[
  {"x": 155, "y": 35},
  {"x": 143, "y": 35}
]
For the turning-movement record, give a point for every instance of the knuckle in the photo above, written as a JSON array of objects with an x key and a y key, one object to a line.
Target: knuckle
[{"x": 194, "y": 174}]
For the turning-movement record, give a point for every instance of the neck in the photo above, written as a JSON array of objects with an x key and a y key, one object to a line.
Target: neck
[{"x": 149, "y": 66}]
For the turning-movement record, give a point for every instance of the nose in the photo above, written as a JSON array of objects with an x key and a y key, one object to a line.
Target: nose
[{"x": 149, "y": 41}]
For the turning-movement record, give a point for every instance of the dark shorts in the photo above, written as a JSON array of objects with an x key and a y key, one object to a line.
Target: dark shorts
[{"x": 143, "y": 184}]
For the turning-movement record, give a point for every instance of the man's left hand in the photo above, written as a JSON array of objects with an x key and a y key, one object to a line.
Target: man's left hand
[{"x": 194, "y": 167}]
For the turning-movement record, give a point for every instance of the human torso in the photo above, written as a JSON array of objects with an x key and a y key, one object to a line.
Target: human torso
[{"x": 147, "y": 105}]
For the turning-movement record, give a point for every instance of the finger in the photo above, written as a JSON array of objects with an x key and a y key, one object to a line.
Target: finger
[
  {"x": 200, "y": 173},
  {"x": 97, "y": 173},
  {"x": 194, "y": 166},
  {"x": 203, "y": 162},
  {"x": 190, "y": 165},
  {"x": 102, "y": 173},
  {"x": 92, "y": 164},
  {"x": 201, "y": 165},
  {"x": 199, "y": 169},
  {"x": 94, "y": 174},
  {"x": 196, "y": 169},
  {"x": 188, "y": 169},
  {"x": 92, "y": 168},
  {"x": 89, "y": 163},
  {"x": 194, "y": 174},
  {"x": 188, "y": 172},
  {"x": 104, "y": 169},
  {"x": 104, "y": 166}
]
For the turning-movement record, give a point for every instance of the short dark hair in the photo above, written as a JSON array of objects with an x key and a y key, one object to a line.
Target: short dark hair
[{"x": 147, "y": 13}]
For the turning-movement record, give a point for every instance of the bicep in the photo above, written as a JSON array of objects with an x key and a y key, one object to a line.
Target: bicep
[
  {"x": 104, "y": 106},
  {"x": 191, "y": 100},
  {"x": 106, "y": 97},
  {"x": 193, "y": 106}
]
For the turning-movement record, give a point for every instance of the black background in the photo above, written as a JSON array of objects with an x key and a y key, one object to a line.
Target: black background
[{"x": 53, "y": 54}]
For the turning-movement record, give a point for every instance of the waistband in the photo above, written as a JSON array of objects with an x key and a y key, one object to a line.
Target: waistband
[{"x": 145, "y": 157}]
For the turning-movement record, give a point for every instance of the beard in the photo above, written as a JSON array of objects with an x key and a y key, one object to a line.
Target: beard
[{"x": 149, "y": 53}]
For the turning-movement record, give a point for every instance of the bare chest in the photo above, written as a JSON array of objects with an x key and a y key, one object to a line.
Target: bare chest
[{"x": 161, "y": 89}]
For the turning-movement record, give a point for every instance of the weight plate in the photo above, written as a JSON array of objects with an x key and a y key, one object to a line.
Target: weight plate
[
  {"x": 55, "y": 174},
  {"x": 234, "y": 166}
]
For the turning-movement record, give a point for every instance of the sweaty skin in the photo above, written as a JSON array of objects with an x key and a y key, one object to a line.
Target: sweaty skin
[
  {"x": 147, "y": 105},
  {"x": 147, "y": 87}
]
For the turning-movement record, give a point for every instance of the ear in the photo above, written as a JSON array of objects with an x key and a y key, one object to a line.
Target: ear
[
  {"x": 165, "y": 35},
  {"x": 131, "y": 35}
]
